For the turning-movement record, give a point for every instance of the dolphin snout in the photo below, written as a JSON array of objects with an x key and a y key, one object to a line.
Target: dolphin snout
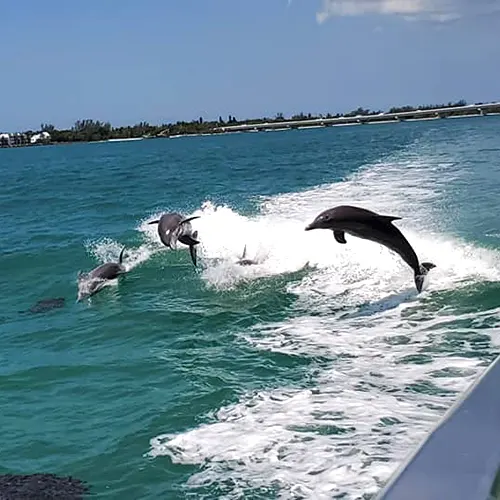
[{"x": 310, "y": 226}]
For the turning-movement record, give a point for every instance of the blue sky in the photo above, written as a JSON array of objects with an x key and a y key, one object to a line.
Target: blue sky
[{"x": 163, "y": 60}]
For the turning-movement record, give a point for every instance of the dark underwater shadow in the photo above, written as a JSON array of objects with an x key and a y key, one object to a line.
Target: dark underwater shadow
[
  {"x": 45, "y": 305},
  {"x": 385, "y": 304},
  {"x": 42, "y": 485}
]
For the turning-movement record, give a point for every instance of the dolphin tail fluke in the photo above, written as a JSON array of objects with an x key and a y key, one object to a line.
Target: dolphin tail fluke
[
  {"x": 192, "y": 252},
  {"x": 192, "y": 248},
  {"x": 191, "y": 241},
  {"x": 420, "y": 275},
  {"x": 244, "y": 252}
]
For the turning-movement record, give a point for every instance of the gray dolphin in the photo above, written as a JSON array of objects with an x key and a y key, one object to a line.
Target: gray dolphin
[
  {"x": 173, "y": 227},
  {"x": 374, "y": 227},
  {"x": 243, "y": 261},
  {"x": 97, "y": 278}
]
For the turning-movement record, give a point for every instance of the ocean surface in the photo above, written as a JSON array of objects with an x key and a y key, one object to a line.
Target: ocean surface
[{"x": 310, "y": 375}]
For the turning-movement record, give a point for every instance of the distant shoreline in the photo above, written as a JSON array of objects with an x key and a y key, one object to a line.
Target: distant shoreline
[
  {"x": 86, "y": 131},
  {"x": 437, "y": 113}
]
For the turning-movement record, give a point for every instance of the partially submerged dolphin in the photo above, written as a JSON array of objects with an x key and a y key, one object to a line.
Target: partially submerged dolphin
[
  {"x": 374, "y": 227},
  {"x": 93, "y": 281},
  {"x": 243, "y": 261},
  {"x": 172, "y": 227}
]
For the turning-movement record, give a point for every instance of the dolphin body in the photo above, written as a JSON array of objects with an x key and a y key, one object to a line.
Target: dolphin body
[
  {"x": 97, "y": 278},
  {"x": 173, "y": 227},
  {"x": 371, "y": 226}
]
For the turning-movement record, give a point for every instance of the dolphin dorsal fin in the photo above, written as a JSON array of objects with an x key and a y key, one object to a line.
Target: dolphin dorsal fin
[
  {"x": 120, "y": 259},
  {"x": 390, "y": 218}
]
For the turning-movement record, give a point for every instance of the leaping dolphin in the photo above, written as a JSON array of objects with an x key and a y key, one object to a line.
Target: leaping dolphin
[
  {"x": 371, "y": 226},
  {"x": 172, "y": 227},
  {"x": 93, "y": 281}
]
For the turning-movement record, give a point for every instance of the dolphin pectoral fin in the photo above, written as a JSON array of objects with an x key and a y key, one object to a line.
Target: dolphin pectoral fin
[
  {"x": 192, "y": 252},
  {"x": 339, "y": 236},
  {"x": 153, "y": 221},
  {"x": 189, "y": 219}
]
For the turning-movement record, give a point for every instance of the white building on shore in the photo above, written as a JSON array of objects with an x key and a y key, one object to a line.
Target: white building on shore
[
  {"x": 41, "y": 137},
  {"x": 21, "y": 139}
]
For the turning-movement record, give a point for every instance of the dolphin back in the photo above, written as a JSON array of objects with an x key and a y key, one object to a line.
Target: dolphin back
[
  {"x": 108, "y": 271},
  {"x": 168, "y": 229}
]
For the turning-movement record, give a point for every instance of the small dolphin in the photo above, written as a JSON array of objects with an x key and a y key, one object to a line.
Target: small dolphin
[
  {"x": 95, "y": 280},
  {"x": 371, "y": 226},
  {"x": 45, "y": 305},
  {"x": 244, "y": 261},
  {"x": 173, "y": 227}
]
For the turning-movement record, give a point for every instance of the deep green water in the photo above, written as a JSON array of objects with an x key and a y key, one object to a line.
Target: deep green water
[{"x": 273, "y": 381}]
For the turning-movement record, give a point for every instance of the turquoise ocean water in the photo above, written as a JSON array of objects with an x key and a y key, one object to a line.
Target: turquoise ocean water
[{"x": 273, "y": 381}]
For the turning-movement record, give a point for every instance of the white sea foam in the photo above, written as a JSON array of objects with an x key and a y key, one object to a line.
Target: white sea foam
[
  {"x": 108, "y": 250},
  {"x": 391, "y": 371}
]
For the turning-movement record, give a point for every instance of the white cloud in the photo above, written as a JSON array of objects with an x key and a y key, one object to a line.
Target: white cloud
[{"x": 435, "y": 10}]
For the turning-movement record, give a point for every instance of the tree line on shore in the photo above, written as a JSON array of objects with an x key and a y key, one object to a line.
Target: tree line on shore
[{"x": 95, "y": 130}]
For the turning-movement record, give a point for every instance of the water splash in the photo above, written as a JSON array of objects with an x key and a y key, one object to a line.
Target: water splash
[{"x": 395, "y": 360}]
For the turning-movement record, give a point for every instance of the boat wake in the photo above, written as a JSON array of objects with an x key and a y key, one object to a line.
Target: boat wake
[{"x": 392, "y": 361}]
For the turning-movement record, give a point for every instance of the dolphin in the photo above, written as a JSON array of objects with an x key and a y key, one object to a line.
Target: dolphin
[
  {"x": 95, "y": 280},
  {"x": 371, "y": 226},
  {"x": 243, "y": 261},
  {"x": 173, "y": 227}
]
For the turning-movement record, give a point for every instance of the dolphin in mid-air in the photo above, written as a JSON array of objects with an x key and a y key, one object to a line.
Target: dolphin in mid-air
[
  {"x": 371, "y": 226},
  {"x": 173, "y": 227},
  {"x": 93, "y": 281}
]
